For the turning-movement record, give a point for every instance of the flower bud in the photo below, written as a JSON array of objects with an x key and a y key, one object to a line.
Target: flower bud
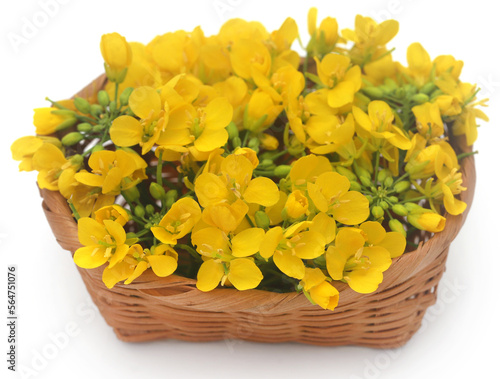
[
  {"x": 420, "y": 98},
  {"x": 265, "y": 163},
  {"x": 388, "y": 181},
  {"x": 71, "y": 139},
  {"x": 66, "y": 124},
  {"x": 84, "y": 127},
  {"x": 171, "y": 197},
  {"x": 156, "y": 191},
  {"x": 377, "y": 211},
  {"x": 132, "y": 194},
  {"x": 402, "y": 186},
  {"x": 373, "y": 92},
  {"x": 429, "y": 221},
  {"x": 232, "y": 130},
  {"x": 397, "y": 226},
  {"x": 76, "y": 160},
  {"x": 428, "y": 88},
  {"x": 393, "y": 199},
  {"x": 347, "y": 173},
  {"x": 366, "y": 181},
  {"x": 236, "y": 141},
  {"x": 355, "y": 186},
  {"x": 382, "y": 175},
  {"x": 96, "y": 110},
  {"x": 97, "y": 148},
  {"x": 112, "y": 106},
  {"x": 124, "y": 96},
  {"x": 399, "y": 209},
  {"x": 262, "y": 220},
  {"x": 412, "y": 207},
  {"x": 254, "y": 143},
  {"x": 103, "y": 98},
  {"x": 391, "y": 83},
  {"x": 268, "y": 142},
  {"x": 384, "y": 205},
  {"x": 150, "y": 209},
  {"x": 139, "y": 211},
  {"x": 296, "y": 205},
  {"x": 82, "y": 105},
  {"x": 282, "y": 171}
]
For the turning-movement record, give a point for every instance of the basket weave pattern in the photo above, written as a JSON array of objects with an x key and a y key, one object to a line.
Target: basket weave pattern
[{"x": 155, "y": 308}]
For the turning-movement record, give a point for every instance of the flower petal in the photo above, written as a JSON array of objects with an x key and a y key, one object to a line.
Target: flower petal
[
  {"x": 247, "y": 242},
  {"x": 244, "y": 274},
  {"x": 162, "y": 265},
  {"x": 262, "y": 191},
  {"x": 209, "y": 275}
]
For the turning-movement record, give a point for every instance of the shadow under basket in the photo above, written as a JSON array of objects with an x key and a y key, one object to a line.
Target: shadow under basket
[{"x": 153, "y": 308}]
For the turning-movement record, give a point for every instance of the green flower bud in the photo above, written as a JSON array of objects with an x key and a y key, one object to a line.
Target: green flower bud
[
  {"x": 386, "y": 89},
  {"x": 420, "y": 98},
  {"x": 156, "y": 191},
  {"x": 377, "y": 211},
  {"x": 366, "y": 181},
  {"x": 347, "y": 173},
  {"x": 98, "y": 128},
  {"x": 97, "y": 148},
  {"x": 76, "y": 160},
  {"x": 71, "y": 139},
  {"x": 232, "y": 130},
  {"x": 396, "y": 226},
  {"x": 388, "y": 181},
  {"x": 400, "y": 210},
  {"x": 124, "y": 96},
  {"x": 132, "y": 194},
  {"x": 150, "y": 209},
  {"x": 139, "y": 211},
  {"x": 103, "y": 98},
  {"x": 436, "y": 93},
  {"x": 171, "y": 197},
  {"x": 412, "y": 207},
  {"x": 370, "y": 199},
  {"x": 68, "y": 123},
  {"x": 265, "y": 163},
  {"x": 262, "y": 220},
  {"x": 410, "y": 89},
  {"x": 96, "y": 110},
  {"x": 82, "y": 105},
  {"x": 254, "y": 143},
  {"x": 84, "y": 127},
  {"x": 393, "y": 199},
  {"x": 390, "y": 83},
  {"x": 64, "y": 112},
  {"x": 112, "y": 106},
  {"x": 282, "y": 171},
  {"x": 373, "y": 92},
  {"x": 428, "y": 88},
  {"x": 381, "y": 175},
  {"x": 384, "y": 205},
  {"x": 355, "y": 186},
  {"x": 403, "y": 186},
  {"x": 236, "y": 141}
]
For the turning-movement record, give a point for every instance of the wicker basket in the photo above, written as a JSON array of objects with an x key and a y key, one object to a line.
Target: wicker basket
[{"x": 154, "y": 308}]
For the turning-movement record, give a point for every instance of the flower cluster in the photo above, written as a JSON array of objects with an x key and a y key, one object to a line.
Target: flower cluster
[{"x": 232, "y": 159}]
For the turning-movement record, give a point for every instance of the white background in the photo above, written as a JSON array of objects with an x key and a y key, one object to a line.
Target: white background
[{"x": 460, "y": 334}]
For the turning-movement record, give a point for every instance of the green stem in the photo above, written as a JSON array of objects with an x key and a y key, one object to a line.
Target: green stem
[
  {"x": 249, "y": 220},
  {"x": 190, "y": 250},
  {"x": 414, "y": 199},
  {"x": 73, "y": 209},
  {"x": 159, "y": 168}
]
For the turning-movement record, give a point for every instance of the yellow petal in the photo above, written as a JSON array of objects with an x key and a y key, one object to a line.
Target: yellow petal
[
  {"x": 244, "y": 274},
  {"x": 219, "y": 114},
  {"x": 162, "y": 265},
  {"x": 247, "y": 242},
  {"x": 210, "y": 189},
  {"x": 112, "y": 181},
  {"x": 312, "y": 278},
  {"x": 395, "y": 243},
  {"x": 310, "y": 245},
  {"x": 90, "y": 257},
  {"x": 139, "y": 269},
  {"x": 126, "y": 131},
  {"x": 90, "y": 231},
  {"x": 262, "y": 191},
  {"x": 325, "y": 295},
  {"x": 353, "y": 208},
  {"x": 375, "y": 232},
  {"x": 365, "y": 281},
  {"x": 117, "y": 257},
  {"x": 289, "y": 264},
  {"x": 144, "y": 102},
  {"x": 113, "y": 275},
  {"x": 211, "y": 139},
  {"x": 116, "y": 231},
  {"x": 325, "y": 225},
  {"x": 341, "y": 94},
  {"x": 209, "y": 275},
  {"x": 270, "y": 242}
]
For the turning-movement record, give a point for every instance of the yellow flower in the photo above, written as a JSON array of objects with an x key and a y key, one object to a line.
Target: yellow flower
[
  {"x": 112, "y": 212},
  {"x": 328, "y": 133},
  {"x": 359, "y": 265},
  {"x": 429, "y": 122},
  {"x": 250, "y": 57},
  {"x": 288, "y": 247},
  {"x": 145, "y": 102},
  {"x": 425, "y": 219},
  {"x": 261, "y": 112},
  {"x": 307, "y": 169},
  {"x": 379, "y": 124},
  {"x": 375, "y": 235},
  {"x": 23, "y": 150},
  {"x": 320, "y": 291},
  {"x": 330, "y": 194},
  {"x": 102, "y": 243},
  {"x": 117, "y": 55},
  {"x": 203, "y": 127},
  {"x": 297, "y": 205},
  {"x": 110, "y": 169},
  {"x": 179, "y": 221},
  {"x": 324, "y": 38},
  {"x": 50, "y": 162},
  {"x": 46, "y": 122},
  {"x": 342, "y": 79},
  {"x": 221, "y": 265}
]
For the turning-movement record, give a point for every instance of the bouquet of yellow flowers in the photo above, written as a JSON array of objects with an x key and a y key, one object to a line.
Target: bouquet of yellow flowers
[{"x": 238, "y": 161}]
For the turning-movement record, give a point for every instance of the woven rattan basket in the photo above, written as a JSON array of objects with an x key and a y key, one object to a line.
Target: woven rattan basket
[{"x": 155, "y": 308}]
